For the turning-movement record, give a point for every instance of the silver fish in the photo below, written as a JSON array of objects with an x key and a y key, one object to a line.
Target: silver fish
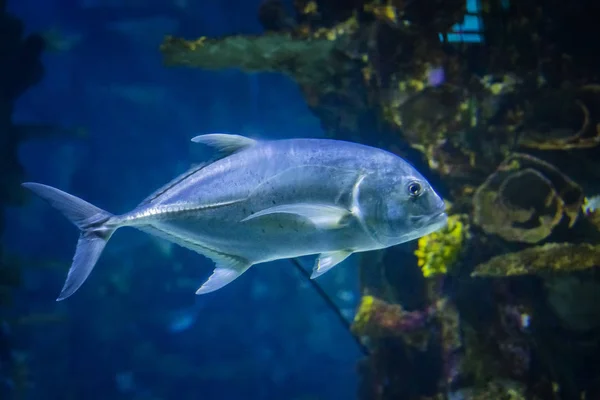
[{"x": 265, "y": 201}]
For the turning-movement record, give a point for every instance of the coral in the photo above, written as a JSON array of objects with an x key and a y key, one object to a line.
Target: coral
[
  {"x": 438, "y": 251},
  {"x": 591, "y": 210},
  {"x": 510, "y": 338},
  {"x": 302, "y": 59},
  {"x": 429, "y": 115},
  {"x": 376, "y": 318},
  {"x": 479, "y": 363},
  {"x": 448, "y": 319},
  {"x": 525, "y": 199},
  {"x": 551, "y": 257},
  {"x": 563, "y": 119},
  {"x": 436, "y": 255}
]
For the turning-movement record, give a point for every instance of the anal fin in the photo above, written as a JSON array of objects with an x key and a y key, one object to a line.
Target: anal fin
[
  {"x": 226, "y": 271},
  {"x": 328, "y": 260}
]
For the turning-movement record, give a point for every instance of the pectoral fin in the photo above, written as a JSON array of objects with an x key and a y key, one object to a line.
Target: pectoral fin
[
  {"x": 227, "y": 269},
  {"x": 321, "y": 215},
  {"x": 326, "y": 261},
  {"x": 224, "y": 142}
]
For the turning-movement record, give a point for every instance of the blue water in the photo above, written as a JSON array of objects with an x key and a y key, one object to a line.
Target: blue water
[{"x": 136, "y": 330}]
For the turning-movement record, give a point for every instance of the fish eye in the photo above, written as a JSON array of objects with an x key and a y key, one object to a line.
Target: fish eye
[{"x": 414, "y": 189}]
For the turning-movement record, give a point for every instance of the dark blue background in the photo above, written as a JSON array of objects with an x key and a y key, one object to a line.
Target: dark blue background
[{"x": 266, "y": 336}]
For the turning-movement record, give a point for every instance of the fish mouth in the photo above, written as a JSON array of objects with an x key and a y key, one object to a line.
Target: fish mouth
[
  {"x": 435, "y": 222},
  {"x": 438, "y": 220},
  {"x": 442, "y": 216},
  {"x": 425, "y": 225},
  {"x": 425, "y": 220}
]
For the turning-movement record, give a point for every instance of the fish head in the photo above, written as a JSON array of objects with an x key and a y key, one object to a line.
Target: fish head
[{"x": 407, "y": 208}]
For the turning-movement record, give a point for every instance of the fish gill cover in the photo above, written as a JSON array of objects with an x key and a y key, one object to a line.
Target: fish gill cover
[{"x": 496, "y": 103}]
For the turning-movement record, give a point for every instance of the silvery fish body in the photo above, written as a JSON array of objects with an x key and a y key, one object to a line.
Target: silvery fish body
[{"x": 269, "y": 200}]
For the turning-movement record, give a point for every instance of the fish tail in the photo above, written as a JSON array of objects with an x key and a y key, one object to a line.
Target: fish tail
[{"x": 95, "y": 230}]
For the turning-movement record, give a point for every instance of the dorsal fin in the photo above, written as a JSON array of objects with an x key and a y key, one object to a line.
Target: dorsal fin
[
  {"x": 156, "y": 194},
  {"x": 225, "y": 143}
]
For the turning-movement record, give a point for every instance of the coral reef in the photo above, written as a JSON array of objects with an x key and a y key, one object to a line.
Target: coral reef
[
  {"x": 548, "y": 258},
  {"x": 437, "y": 252},
  {"x": 525, "y": 199},
  {"x": 271, "y": 53},
  {"x": 376, "y": 318},
  {"x": 508, "y": 128}
]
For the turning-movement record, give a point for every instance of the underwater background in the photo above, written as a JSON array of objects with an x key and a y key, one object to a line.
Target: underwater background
[
  {"x": 126, "y": 121},
  {"x": 497, "y": 103}
]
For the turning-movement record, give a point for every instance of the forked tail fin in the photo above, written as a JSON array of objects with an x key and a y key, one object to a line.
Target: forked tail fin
[{"x": 95, "y": 232}]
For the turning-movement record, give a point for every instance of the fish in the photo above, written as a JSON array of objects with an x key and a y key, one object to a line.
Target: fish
[{"x": 267, "y": 200}]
